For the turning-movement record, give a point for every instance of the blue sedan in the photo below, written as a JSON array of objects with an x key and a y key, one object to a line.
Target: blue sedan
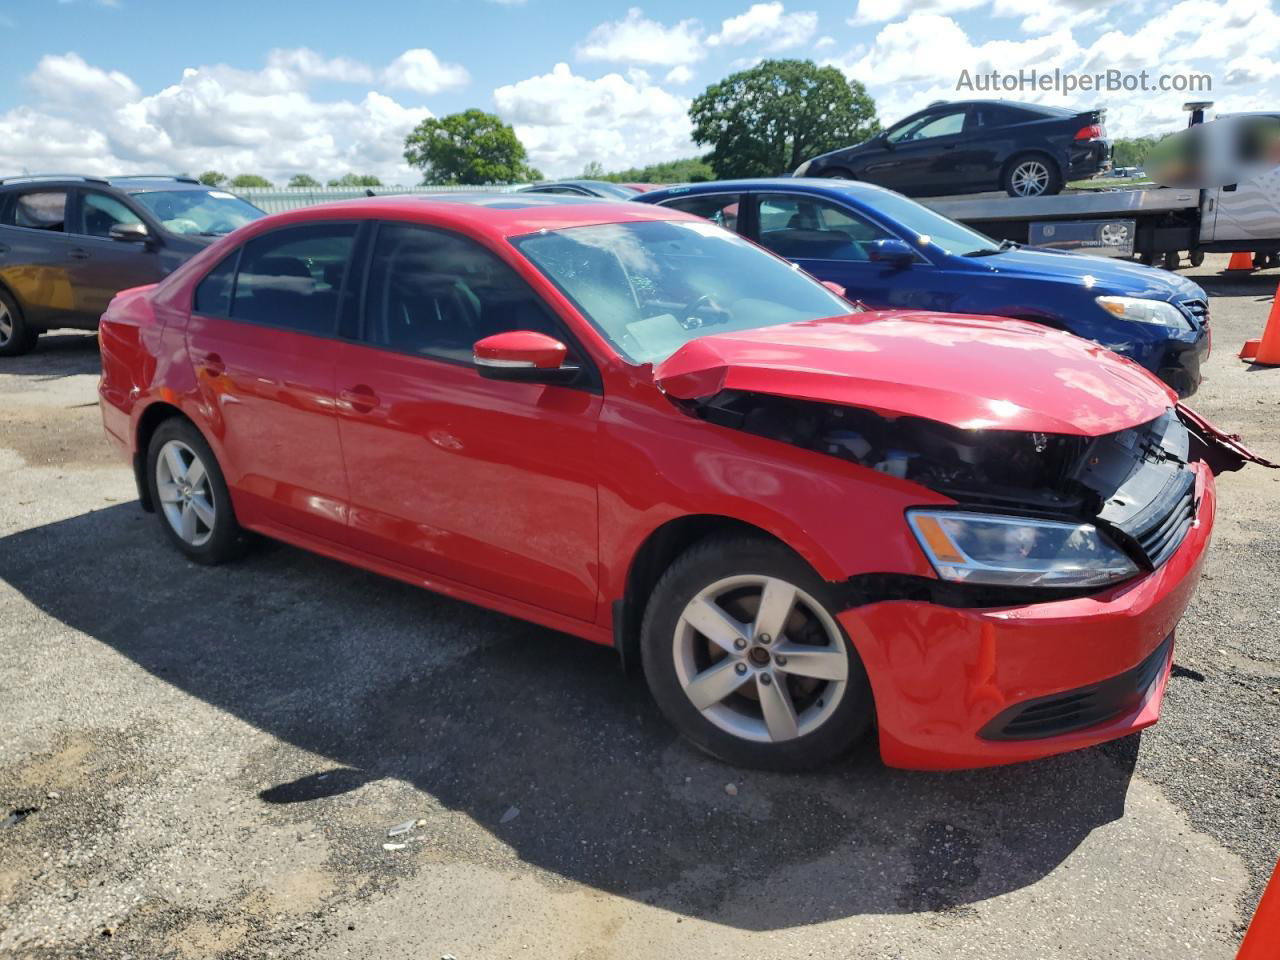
[{"x": 891, "y": 252}]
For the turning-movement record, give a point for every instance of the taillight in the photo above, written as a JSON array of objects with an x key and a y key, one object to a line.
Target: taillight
[{"x": 1092, "y": 132}]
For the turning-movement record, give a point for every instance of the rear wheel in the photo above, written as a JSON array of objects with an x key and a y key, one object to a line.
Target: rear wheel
[
  {"x": 1172, "y": 260},
  {"x": 1032, "y": 175},
  {"x": 190, "y": 494},
  {"x": 745, "y": 657},
  {"x": 16, "y": 335},
  {"x": 1195, "y": 258}
]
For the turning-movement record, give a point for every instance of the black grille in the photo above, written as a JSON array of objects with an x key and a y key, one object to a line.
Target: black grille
[
  {"x": 1198, "y": 309},
  {"x": 1159, "y": 529},
  {"x": 1079, "y": 709}
]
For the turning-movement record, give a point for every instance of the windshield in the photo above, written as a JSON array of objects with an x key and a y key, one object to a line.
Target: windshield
[
  {"x": 209, "y": 213},
  {"x": 651, "y": 287},
  {"x": 932, "y": 228}
]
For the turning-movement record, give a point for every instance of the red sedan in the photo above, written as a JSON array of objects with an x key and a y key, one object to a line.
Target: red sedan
[{"x": 627, "y": 424}]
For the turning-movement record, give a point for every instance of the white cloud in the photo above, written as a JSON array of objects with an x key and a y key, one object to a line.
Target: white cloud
[
  {"x": 421, "y": 71},
  {"x": 678, "y": 75},
  {"x": 881, "y": 11},
  {"x": 824, "y": 43},
  {"x": 767, "y": 23},
  {"x": 99, "y": 122},
  {"x": 566, "y": 120},
  {"x": 635, "y": 39},
  {"x": 68, "y": 79}
]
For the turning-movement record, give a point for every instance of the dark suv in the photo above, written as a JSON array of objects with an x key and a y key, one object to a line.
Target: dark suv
[
  {"x": 68, "y": 244},
  {"x": 1025, "y": 149}
]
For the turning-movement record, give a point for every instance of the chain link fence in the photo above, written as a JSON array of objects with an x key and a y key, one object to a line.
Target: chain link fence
[{"x": 278, "y": 199}]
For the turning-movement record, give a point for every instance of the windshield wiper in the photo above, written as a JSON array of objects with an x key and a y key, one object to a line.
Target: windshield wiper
[{"x": 1005, "y": 245}]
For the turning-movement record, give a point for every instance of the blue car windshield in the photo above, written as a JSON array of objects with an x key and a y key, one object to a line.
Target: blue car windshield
[
  {"x": 652, "y": 286},
  {"x": 933, "y": 228}
]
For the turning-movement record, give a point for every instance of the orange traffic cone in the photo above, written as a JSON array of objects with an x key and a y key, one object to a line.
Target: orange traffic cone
[
  {"x": 1262, "y": 939},
  {"x": 1240, "y": 263},
  {"x": 1266, "y": 349}
]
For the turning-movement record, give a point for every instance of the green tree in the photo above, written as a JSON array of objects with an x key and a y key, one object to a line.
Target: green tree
[
  {"x": 1132, "y": 151},
  {"x": 250, "y": 180},
  {"x": 212, "y": 178},
  {"x": 356, "y": 180},
  {"x": 303, "y": 180},
  {"x": 688, "y": 170},
  {"x": 768, "y": 120},
  {"x": 471, "y": 147},
  {"x": 593, "y": 171}
]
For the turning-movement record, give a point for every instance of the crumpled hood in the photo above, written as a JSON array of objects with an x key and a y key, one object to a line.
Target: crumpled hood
[
  {"x": 969, "y": 372},
  {"x": 1102, "y": 275}
]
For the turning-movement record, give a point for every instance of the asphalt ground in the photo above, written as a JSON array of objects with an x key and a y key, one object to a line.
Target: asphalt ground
[{"x": 205, "y": 762}]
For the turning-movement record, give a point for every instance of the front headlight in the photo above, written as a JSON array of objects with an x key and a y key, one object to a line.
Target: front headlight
[
  {"x": 1016, "y": 551},
  {"x": 803, "y": 168},
  {"x": 1156, "y": 312}
]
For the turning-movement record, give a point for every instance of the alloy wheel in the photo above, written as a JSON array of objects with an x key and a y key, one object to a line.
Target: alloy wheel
[
  {"x": 1030, "y": 178},
  {"x": 182, "y": 484},
  {"x": 6, "y": 325},
  {"x": 760, "y": 658}
]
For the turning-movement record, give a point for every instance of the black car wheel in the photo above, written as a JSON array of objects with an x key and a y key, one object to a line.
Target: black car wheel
[
  {"x": 1032, "y": 175},
  {"x": 1195, "y": 257},
  {"x": 743, "y": 653},
  {"x": 16, "y": 336}
]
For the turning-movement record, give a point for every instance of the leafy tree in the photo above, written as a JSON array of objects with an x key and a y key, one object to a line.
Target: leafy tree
[
  {"x": 593, "y": 171},
  {"x": 250, "y": 180},
  {"x": 303, "y": 180},
  {"x": 1132, "y": 151},
  {"x": 212, "y": 178},
  {"x": 356, "y": 180},
  {"x": 768, "y": 120},
  {"x": 471, "y": 147},
  {"x": 689, "y": 170}
]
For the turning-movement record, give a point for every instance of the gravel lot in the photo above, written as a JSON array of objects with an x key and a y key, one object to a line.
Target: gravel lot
[{"x": 209, "y": 759}]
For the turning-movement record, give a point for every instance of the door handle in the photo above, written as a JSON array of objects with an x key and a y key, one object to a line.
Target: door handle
[
  {"x": 359, "y": 398},
  {"x": 212, "y": 365},
  {"x": 78, "y": 253}
]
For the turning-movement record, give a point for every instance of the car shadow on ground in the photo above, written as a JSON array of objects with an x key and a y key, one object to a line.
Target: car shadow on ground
[
  {"x": 483, "y": 712},
  {"x": 62, "y": 354}
]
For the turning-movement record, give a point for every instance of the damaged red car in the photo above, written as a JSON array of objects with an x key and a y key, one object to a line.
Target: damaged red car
[{"x": 802, "y": 521}]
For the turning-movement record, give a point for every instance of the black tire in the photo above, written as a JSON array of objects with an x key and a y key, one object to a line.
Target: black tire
[
  {"x": 225, "y": 540},
  {"x": 1195, "y": 258},
  {"x": 16, "y": 335},
  {"x": 837, "y": 173},
  {"x": 1147, "y": 259},
  {"x": 1052, "y": 182},
  {"x": 1172, "y": 260},
  {"x": 835, "y": 729}
]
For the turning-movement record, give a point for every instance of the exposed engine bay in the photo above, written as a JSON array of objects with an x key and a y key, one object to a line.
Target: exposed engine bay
[{"x": 1135, "y": 483}]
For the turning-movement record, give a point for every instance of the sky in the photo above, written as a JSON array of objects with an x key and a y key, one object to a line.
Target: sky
[{"x": 278, "y": 88}]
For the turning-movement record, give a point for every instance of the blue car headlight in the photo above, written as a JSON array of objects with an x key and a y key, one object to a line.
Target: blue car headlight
[
  {"x": 1159, "y": 313},
  {"x": 1017, "y": 551}
]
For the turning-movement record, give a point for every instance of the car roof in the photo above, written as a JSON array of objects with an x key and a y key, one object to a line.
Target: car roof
[
  {"x": 856, "y": 189},
  {"x": 1016, "y": 104},
  {"x": 128, "y": 184},
  {"x": 496, "y": 215}
]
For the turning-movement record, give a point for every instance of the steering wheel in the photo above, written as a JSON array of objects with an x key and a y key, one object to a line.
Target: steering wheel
[
  {"x": 222, "y": 226},
  {"x": 691, "y": 316}
]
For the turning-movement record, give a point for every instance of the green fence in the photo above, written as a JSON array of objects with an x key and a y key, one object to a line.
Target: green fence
[{"x": 277, "y": 199}]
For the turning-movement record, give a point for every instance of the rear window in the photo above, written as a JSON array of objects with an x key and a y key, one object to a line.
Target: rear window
[
  {"x": 292, "y": 278},
  {"x": 39, "y": 210}
]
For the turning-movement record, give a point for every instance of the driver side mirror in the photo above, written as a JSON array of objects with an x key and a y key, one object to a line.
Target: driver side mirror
[
  {"x": 130, "y": 232},
  {"x": 835, "y": 288},
  {"x": 523, "y": 355},
  {"x": 894, "y": 253}
]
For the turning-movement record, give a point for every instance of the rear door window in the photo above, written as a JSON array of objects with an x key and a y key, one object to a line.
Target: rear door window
[
  {"x": 213, "y": 295},
  {"x": 722, "y": 209},
  {"x": 292, "y": 278},
  {"x": 41, "y": 210}
]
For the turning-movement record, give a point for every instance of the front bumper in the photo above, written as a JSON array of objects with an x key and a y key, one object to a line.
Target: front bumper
[{"x": 943, "y": 676}]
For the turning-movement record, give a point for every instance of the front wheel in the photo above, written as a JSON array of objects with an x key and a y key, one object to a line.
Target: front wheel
[
  {"x": 744, "y": 656},
  {"x": 190, "y": 494},
  {"x": 1032, "y": 176}
]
